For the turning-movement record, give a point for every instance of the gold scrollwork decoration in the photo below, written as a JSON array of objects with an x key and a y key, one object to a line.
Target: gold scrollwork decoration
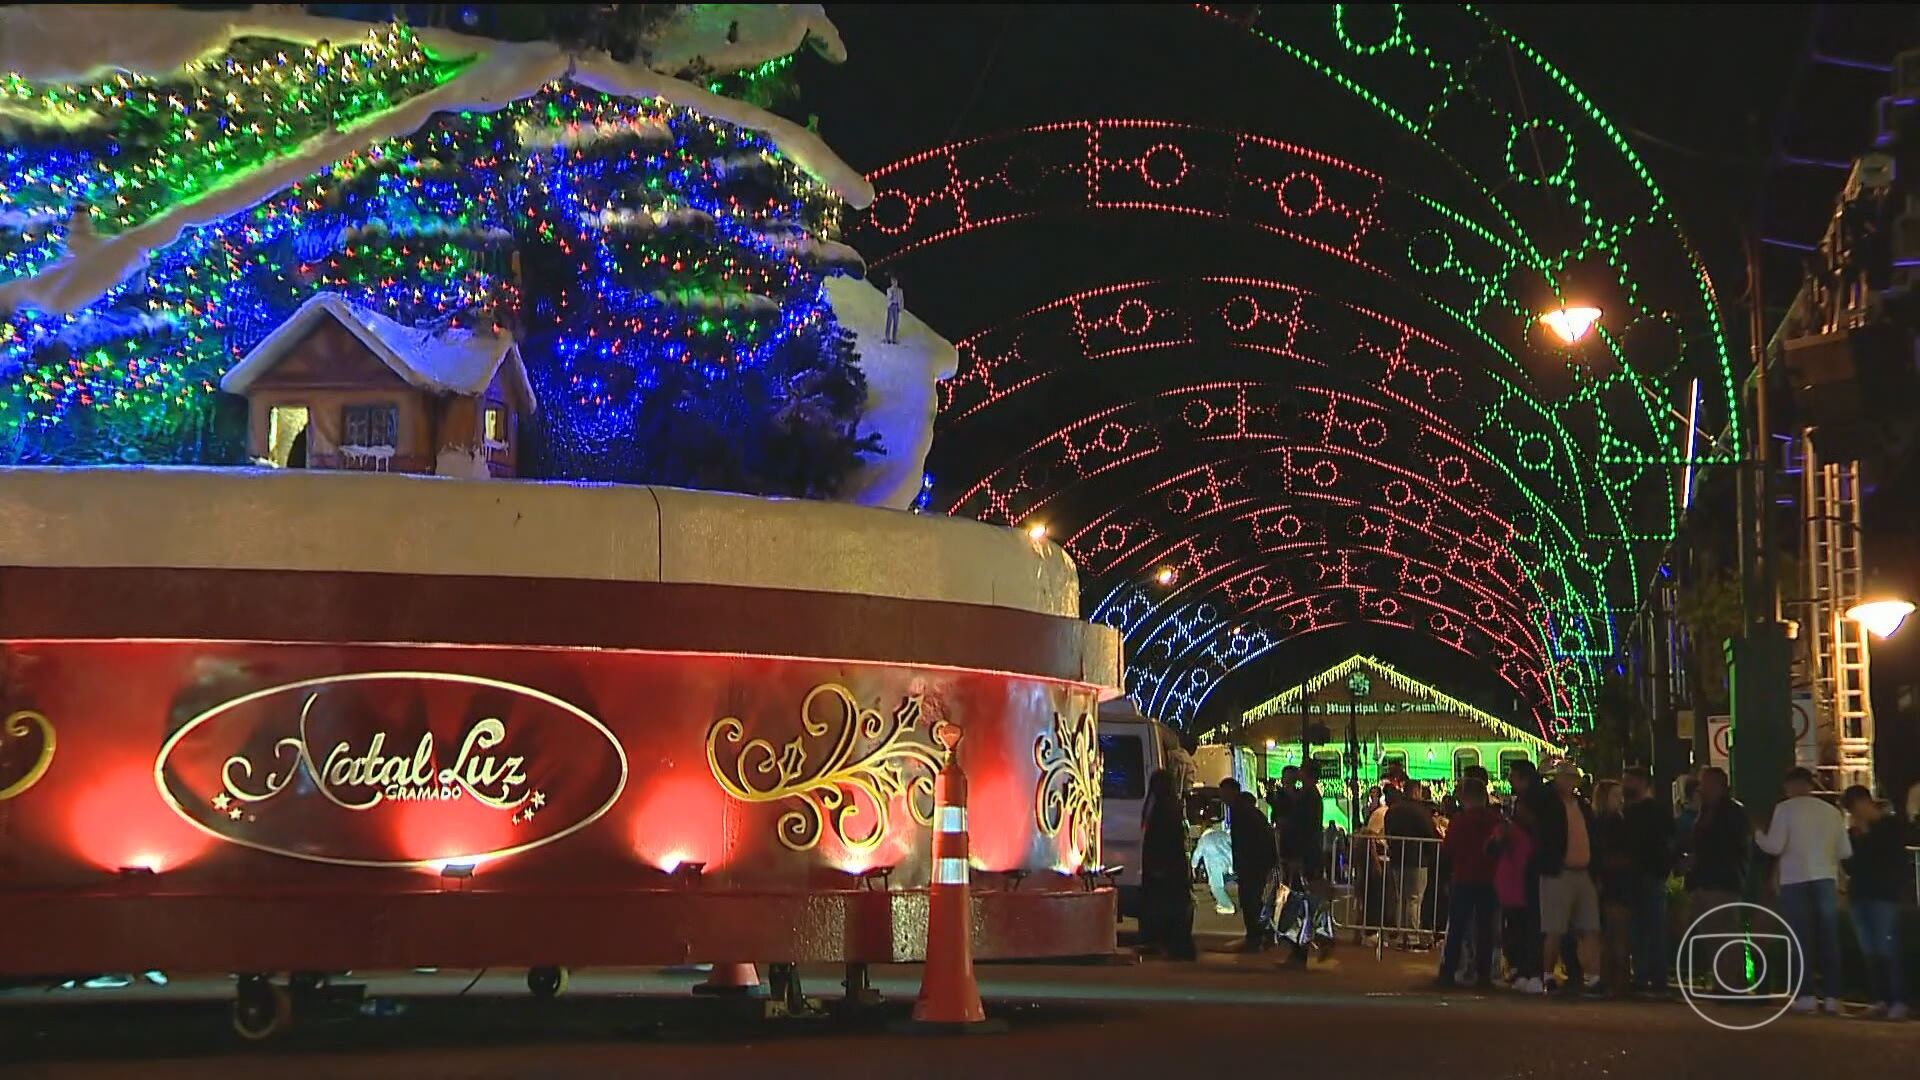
[
  {"x": 869, "y": 757},
  {"x": 1068, "y": 794},
  {"x": 18, "y": 726}
]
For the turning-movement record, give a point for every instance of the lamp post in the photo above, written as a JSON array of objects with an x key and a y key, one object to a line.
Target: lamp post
[
  {"x": 1760, "y": 660},
  {"x": 1882, "y": 618},
  {"x": 1571, "y": 323}
]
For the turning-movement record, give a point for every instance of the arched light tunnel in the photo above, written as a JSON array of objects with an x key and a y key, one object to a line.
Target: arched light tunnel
[{"x": 1239, "y": 462}]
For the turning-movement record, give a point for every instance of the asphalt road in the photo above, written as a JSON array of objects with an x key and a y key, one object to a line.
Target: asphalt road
[{"x": 1357, "y": 1014}]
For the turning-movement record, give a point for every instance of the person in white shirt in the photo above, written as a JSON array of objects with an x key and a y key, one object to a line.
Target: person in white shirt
[
  {"x": 1811, "y": 838},
  {"x": 896, "y": 297}
]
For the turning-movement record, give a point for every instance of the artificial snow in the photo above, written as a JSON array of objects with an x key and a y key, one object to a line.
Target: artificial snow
[
  {"x": 647, "y": 219},
  {"x": 539, "y": 137},
  {"x": 902, "y": 395},
  {"x": 461, "y": 464},
  {"x": 829, "y": 253},
  {"x": 439, "y": 361},
  {"x": 723, "y": 38},
  {"x": 68, "y": 43},
  {"x": 39, "y": 42}
]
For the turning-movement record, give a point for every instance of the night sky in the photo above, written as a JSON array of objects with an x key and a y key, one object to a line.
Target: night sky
[{"x": 1710, "y": 95}]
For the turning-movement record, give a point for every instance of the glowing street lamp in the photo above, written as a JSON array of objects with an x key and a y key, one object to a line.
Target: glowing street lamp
[
  {"x": 1165, "y": 575},
  {"x": 1037, "y": 531},
  {"x": 1570, "y": 324},
  {"x": 1881, "y": 617}
]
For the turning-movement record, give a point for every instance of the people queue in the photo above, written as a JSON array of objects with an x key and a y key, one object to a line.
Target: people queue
[{"x": 1570, "y": 890}]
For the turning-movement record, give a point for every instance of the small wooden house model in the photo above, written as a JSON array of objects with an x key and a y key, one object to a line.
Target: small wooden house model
[{"x": 341, "y": 387}]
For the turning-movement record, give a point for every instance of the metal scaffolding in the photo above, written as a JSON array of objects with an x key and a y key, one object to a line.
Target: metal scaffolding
[{"x": 1837, "y": 654}]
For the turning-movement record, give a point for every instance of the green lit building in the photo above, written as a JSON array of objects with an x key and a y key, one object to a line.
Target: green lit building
[{"x": 1395, "y": 720}]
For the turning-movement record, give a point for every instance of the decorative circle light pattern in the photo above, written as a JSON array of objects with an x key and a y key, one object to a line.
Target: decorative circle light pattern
[
  {"x": 1467, "y": 482},
  {"x": 1285, "y": 335},
  {"x": 1617, "y": 429}
]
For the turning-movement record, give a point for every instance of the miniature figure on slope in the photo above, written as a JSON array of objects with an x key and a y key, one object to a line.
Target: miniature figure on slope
[{"x": 896, "y": 298}]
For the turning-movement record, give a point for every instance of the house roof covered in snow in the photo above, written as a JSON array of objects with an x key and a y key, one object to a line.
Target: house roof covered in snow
[{"x": 443, "y": 361}]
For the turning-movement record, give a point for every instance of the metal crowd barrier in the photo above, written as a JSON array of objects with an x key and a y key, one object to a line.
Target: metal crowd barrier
[{"x": 1390, "y": 886}]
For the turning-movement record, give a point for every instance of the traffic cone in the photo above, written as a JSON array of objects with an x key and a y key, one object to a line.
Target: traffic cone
[
  {"x": 949, "y": 999},
  {"x": 730, "y": 980}
]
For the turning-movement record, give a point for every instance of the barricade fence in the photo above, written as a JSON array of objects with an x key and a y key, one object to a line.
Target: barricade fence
[{"x": 1390, "y": 886}]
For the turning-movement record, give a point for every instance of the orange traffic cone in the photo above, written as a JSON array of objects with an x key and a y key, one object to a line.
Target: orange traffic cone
[
  {"x": 949, "y": 997},
  {"x": 730, "y": 980}
]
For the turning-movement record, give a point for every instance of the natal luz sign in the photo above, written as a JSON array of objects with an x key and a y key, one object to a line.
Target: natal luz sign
[{"x": 392, "y": 769}]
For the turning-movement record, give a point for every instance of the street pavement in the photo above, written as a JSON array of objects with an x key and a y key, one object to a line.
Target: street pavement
[{"x": 1357, "y": 1012}]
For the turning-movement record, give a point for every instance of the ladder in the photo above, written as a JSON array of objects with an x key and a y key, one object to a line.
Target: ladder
[{"x": 1837, "y": 645}]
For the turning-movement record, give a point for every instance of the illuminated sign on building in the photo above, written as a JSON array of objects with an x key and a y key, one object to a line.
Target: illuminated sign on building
[{"x": 397, "y": 768}]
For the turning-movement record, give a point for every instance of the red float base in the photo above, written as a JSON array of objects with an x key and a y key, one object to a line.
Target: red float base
[{"x": 239, "y": 931}]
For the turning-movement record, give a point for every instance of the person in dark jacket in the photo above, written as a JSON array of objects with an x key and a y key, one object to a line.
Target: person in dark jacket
[
  {"x": 1411, "y": 856},
  {"x": 1650, "y": 839},
  {"x": 1302, "y": 844},
  {"x": 1874, "y": 873},
  {"x": 1254, "y": 860},
  {"x": 1166, "y": 877},
  {"x": 1613, "y": 873},
  {"x": 1717, "y": 853},
  {"x": 1280, "y": 797}
]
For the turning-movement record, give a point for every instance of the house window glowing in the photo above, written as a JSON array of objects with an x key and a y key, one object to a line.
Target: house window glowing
[
  {"x": 285, "y": 425},
  {"x": 496, "y": 426}
]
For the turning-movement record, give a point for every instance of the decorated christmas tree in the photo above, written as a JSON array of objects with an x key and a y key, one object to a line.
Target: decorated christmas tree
[{"x": 658, "y": 251}]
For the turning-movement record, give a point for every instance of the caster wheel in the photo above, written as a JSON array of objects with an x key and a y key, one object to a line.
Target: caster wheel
[
  {"x": 547, "y": 982},
  {"x": 261, "y": 1010}
]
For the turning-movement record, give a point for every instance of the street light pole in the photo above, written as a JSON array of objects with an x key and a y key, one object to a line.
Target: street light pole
[{"x": 1759, "y": 661}]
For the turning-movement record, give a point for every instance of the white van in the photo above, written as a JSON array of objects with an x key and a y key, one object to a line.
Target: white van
[{"x": 1131, "y": 747}]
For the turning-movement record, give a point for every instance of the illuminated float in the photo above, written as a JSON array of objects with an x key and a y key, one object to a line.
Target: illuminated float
[
  {"x": 298, "y": 721},
  {"x": 328, "y": 691}
]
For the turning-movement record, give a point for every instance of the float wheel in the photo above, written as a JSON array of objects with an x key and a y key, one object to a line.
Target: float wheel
[
  {"x": 261, "y": 1010},
  {"x": 547, "y": 982}
]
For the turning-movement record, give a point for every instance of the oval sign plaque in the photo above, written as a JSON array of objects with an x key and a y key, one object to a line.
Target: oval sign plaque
[{"x": 392, "y": 769}]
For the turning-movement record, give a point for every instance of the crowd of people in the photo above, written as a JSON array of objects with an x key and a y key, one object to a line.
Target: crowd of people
[
  {"x": 1573, "y": 889},
  {"x": 1558, "y": 888}
]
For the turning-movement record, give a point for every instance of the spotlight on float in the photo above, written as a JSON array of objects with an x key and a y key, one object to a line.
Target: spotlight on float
[
  {"x": 879, "y": 874},
  {"x": 1881, "y": 617},
  {"x": 689, "y": 872},
  {"x": 1037, "y": 531},
  {"x": 456, "y": 870},
  {"x": 1166, "y": 575},
  {"x": 1570, "y": 324},
  {"x": 138, "y": 870}
]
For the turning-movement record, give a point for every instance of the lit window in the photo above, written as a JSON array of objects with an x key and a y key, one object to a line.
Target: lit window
[
  {"x": 496, "y": 422},
  {"x": 1463, "y": 759}
]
